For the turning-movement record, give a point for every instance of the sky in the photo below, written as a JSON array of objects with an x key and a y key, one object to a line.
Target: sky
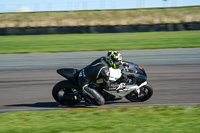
[{"x": 68, "y": 5}]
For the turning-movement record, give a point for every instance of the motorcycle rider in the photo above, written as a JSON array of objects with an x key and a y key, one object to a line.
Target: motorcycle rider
[{"x": 99, "y": 69}]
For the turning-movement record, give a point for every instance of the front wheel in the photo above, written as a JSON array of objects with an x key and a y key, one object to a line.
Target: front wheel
[
  {"x": 64, "y": 93},
  {"x": 146, "y": 92}
]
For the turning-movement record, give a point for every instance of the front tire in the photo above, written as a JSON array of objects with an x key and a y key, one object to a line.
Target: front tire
[
  {"x": 61, "y": 93},
  {"x": 146, "y": 92}
]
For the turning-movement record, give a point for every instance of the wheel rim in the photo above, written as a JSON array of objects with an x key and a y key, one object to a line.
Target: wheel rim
[
  {"x": 61, "y": 94},
  {"x": 144, "y": 94}
]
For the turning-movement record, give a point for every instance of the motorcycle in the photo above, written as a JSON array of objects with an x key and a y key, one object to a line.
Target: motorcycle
[{"x": 137, "y": 89}]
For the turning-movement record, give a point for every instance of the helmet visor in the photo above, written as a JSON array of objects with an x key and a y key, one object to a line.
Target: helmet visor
[{"x": 118, "y": 62}]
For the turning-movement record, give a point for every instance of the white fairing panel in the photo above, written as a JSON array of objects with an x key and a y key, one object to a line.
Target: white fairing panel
[{"x": 114, "y": 74}]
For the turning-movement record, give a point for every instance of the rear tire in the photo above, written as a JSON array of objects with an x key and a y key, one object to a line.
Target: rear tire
[
  {"x": 146, "y": 92},
  {"x": 62, "y": 90}
]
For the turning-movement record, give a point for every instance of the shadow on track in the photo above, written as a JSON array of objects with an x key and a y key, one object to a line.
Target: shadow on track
[
  {"x": 50, "y": 105},
  {"x": 57, "y": 105}
]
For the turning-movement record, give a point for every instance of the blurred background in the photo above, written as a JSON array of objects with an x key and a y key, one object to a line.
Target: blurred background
[
  {"x": 28, "y": 60},
  {"x": 69, "y": 5},
  {"x": 96, "y": 12}
]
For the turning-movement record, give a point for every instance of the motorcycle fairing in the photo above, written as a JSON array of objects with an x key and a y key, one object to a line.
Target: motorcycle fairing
[
  {"x": 127, "y": 90},
  {"x": 68, "y": 73}
]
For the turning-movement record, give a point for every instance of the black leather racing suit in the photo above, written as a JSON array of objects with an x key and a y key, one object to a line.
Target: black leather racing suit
[{"x": 99, "y": 69}]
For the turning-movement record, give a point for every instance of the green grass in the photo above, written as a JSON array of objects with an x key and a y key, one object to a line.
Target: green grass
[
  {"x": 150, "y": 119},
  {"x": 98, "y": 42}
]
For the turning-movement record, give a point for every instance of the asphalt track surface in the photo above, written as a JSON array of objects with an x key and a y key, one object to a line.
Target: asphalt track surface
[{"x": 26, "y": 80}]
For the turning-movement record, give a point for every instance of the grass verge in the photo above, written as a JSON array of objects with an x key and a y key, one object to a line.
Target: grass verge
[
  {"x": 151, "y": 119},
  {"x": 101, "y": 17},
  {"x": 98, "y": 42}
]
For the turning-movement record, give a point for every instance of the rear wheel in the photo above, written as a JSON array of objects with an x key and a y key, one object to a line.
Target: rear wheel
[
  {"x": 146, "y": 92},
  {"x": 64, "y": 93}
]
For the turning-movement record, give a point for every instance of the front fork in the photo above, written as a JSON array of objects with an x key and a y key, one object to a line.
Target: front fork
[{"x": 137, "y": 90}]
